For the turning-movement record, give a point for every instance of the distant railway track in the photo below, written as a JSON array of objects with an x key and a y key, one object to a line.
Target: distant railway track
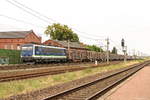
[
  {"x": 18, "y": 75},
  {"x": 93, "y": 90},
  {"x": 27, "y": 66}
]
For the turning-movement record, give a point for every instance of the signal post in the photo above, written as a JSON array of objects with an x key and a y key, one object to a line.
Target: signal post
[{"x": 124, "y": 49}]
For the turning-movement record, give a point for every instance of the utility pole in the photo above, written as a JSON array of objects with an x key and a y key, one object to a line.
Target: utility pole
[
  {"x": 134, "y": 54},
  {"x": 107, "y": 52},
  {"x": 125, "y": 54},
  {"x": 129, "y": 53},
  {"x": 138, "y": 53},
  {"x": 68, "y": 49}
]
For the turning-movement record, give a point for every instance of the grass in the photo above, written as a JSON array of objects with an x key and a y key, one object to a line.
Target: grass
[{"x": 22, "y": 86}]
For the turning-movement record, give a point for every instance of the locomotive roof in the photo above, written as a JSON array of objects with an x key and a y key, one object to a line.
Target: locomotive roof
[{"x": 43, "y": 46}]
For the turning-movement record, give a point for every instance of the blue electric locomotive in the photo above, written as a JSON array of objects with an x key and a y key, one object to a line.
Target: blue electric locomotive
[{"x": 42, "y": 54}]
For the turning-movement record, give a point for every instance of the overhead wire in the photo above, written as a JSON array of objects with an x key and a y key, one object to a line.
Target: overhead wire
[
  {"x": 45, "y": 19},
  {"x": 22, "y": 7},
  {"x": 39, "y": 14},
  {"x": 18, "y": 20},
  {"x": 6, "y": 26},
  {"x": 44, "y": 15},
  {"x": 22, "y": 21},
  {"x": 116, "y": 45},
  {"x": 120, "y": 48},
  {"x": 34, "y": 11},
  {"x": 27, "y": 11}
]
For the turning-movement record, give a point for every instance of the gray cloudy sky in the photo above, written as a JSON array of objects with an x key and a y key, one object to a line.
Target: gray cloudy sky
[{"x": 92, "y": 20}]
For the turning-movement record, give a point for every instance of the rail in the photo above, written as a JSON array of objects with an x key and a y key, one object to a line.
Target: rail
[{"x": 90, "y": 90}]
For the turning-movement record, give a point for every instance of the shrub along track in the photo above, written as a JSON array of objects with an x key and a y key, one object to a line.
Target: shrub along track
[
  {"x": 36, "y": 72},
  {"x": 88, "y": 88}
]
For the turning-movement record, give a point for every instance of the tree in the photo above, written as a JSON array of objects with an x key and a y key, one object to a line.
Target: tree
[
  {"x": 61, "y": 32},
  {"x": 75, "y": 38},
  {"x": 114, "y": 50},
  {"x": 94, "y": 48}
]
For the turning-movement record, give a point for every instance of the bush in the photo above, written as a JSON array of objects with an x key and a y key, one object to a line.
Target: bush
[{"x": 12, "y": 55}]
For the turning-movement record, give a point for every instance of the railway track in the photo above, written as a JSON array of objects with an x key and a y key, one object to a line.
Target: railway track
[
  {"x": 37, "y": 74},
  {"x": 10, "y": 76},
  {"x": 93, "y": 90},
  {"x": 29, "y": 66}
]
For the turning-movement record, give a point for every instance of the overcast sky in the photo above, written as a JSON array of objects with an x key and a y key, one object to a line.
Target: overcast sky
[{"x": 92, "y": 20}]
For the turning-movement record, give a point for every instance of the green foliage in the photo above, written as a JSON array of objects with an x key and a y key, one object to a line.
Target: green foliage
[
  {"x": 94, "y": 48},
  {"x": 114, "y": 50},
  {"x": 12, "y": 55},
  {"x": 74, "y": 38},
  {"x": 61, "y": 32}
]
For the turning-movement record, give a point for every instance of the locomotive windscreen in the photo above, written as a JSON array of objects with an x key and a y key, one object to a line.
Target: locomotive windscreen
[{"x": 27, "y": 50}]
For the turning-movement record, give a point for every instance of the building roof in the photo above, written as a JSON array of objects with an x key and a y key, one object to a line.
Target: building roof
[
  {"x": 14, "y": 34},
  {"x": 72, "y": 44}
]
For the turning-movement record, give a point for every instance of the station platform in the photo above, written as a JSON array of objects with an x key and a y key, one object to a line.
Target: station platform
[{"x": 136, "y": 87}]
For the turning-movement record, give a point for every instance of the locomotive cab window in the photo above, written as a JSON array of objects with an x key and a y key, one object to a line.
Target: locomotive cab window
[{"x": 26, "y": 50}]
